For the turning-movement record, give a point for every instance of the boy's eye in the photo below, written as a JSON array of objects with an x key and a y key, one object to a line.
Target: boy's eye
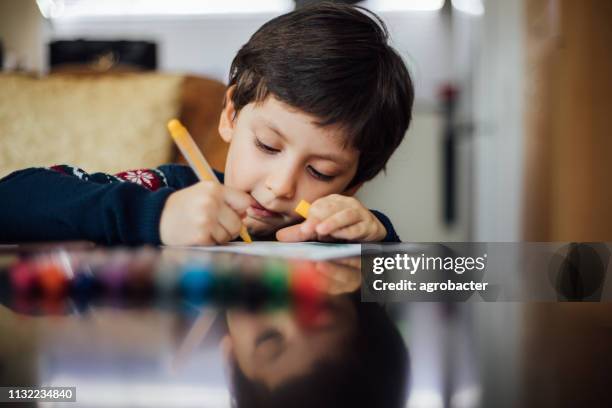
[
  {"x": 318, "y": 175},
  {"x": 270, "y": 150},
  {"x": 265, "y": 148}
]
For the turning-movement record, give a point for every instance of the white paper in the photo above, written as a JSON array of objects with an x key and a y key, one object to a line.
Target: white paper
[{"x": 315, "y": 251}]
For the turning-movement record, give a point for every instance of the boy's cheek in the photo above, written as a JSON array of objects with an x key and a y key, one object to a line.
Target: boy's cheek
[
  {"x": 241, "y": 174},
  {"x": 236, "y": 156},
  {"x": 234, "y": 179}
]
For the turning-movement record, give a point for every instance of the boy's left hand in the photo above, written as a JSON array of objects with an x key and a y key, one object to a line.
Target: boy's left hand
[{"x": 335, "y": 217}]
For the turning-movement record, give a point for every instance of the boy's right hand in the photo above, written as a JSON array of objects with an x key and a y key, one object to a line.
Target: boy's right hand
[{"x": 206, "y": 213}]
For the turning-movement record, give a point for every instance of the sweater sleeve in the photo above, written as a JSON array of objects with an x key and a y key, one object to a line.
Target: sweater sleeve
[
  {"x": 386, "y": 222},
  {"x": 65, "y": 203}
]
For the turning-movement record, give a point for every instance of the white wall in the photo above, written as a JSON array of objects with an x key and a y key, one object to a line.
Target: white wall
[
  {"x": 206, "y": 44},
  {"x": 21, "y": 31},
  {"x": 499, "y": 133},
  {"x": 410, "y": 192}
]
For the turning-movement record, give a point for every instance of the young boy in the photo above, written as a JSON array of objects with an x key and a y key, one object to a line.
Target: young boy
[{"x": 316, "y": 104}]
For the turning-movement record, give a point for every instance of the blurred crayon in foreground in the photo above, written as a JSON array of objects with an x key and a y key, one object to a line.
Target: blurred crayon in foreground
[{"x": 139, "y": 277}]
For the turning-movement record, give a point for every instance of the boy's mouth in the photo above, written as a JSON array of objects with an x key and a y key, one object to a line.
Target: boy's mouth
[{"x": 259, "y": 210}]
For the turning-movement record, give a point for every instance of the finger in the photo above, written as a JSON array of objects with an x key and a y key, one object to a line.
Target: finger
[
  {"x": 351, "y": 262},
  {"x": 219, "y": 234},
  {"x": 353, "y": 232},
  {"x": 331, "y": 270},
  {"x": 341, "y": 219},
  {"x": 308, "y": 227},
  {"x": 325, "y": 207},
  {"x": 238, "y": 200},
  {"x": 326, "y": 238},
  {"x": 341, "y": 277},
  {"x": 294, "y": 233},
  {"x": 230, "y": 220}
]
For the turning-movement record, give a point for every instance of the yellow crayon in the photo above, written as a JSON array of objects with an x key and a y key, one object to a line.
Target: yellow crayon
[
  {"x": 196, "y": 160},
  {"x": 302, "y": 208}
]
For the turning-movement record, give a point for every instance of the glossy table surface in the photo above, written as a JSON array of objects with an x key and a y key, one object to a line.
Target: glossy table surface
[{"x": 321, "y": 348}]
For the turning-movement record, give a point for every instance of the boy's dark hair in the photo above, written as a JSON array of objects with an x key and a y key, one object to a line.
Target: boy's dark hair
[
  {"x": 331, "y": 61},
  {"x": 372, "y": 371}
]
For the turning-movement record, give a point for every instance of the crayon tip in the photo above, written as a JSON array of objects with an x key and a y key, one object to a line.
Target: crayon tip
[{"x": 302, "y": 208}]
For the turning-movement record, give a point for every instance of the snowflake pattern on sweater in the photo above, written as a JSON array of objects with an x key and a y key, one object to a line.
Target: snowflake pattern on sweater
[{"x": 151, "y": 179}]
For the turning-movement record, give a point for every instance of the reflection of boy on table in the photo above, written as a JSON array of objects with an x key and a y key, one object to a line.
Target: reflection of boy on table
[
  {"x": 317, "y": 102},
  {"x": 350, "y": 355}
]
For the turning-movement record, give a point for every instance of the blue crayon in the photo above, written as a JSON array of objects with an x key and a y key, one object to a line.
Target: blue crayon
[
  {"x": 196, "y": 282},
  {"x": 84, "y": 286}
]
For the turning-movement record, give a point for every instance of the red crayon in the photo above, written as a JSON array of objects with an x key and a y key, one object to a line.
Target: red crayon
[{"x": 52, "y": 280}]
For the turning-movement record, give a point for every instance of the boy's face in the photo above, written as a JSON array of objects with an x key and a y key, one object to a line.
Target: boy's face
[
  {"x": 274, "y": 347},
  {"x": 280, "y": 156}
]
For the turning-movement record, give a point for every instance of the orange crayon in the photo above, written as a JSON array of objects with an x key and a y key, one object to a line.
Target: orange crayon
[{"x": 302, "y": 208}]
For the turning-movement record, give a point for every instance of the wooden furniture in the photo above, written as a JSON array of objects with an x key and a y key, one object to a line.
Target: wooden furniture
[
  {"x": 568, "y": 193},
  {"x": 107, "y": 122}
]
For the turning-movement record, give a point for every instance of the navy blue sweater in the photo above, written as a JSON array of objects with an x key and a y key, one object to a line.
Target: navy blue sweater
[{"x": 66, "y": 203}]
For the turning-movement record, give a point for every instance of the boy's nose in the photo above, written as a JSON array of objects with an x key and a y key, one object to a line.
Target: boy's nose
[{"x": 282, "y": 183}]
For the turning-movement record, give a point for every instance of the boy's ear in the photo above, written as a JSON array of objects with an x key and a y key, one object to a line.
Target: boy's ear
[
  {"x": 351, "y": 191},
  {"x": 226, "y": 121}
]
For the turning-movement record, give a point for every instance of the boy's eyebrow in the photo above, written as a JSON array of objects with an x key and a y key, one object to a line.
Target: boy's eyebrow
[
  {"x": 276, "y": 130},
  {"x": 331, "y": 157}
]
